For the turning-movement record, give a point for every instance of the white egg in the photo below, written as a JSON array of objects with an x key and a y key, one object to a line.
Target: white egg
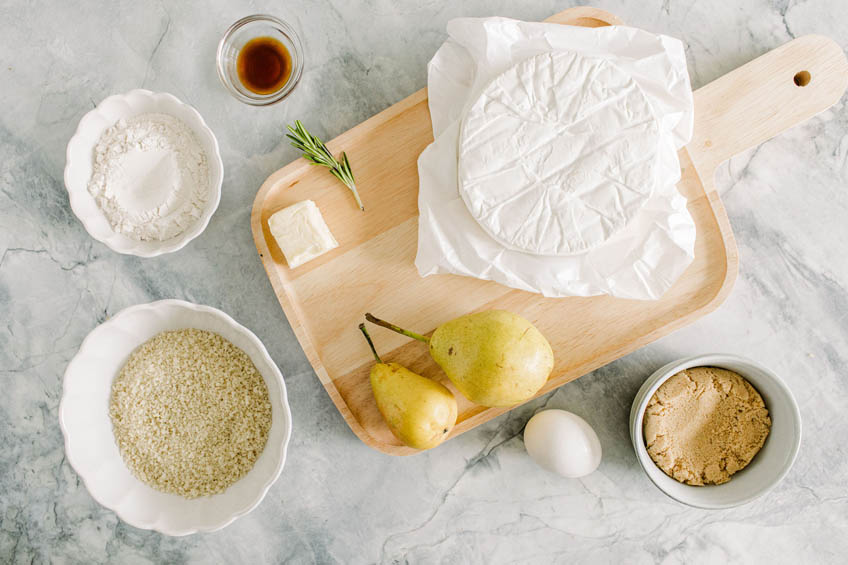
[{"x": 562, "y": 442}]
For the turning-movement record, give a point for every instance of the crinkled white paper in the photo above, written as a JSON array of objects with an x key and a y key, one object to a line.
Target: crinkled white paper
[
  {"x": 558, "y": 154},
  {"x": 643, "y": 260}
]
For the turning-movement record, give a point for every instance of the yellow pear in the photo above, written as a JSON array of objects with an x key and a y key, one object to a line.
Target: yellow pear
[
  {"x": 495, "y": 357},
  {"x": 419, "y": 411}
]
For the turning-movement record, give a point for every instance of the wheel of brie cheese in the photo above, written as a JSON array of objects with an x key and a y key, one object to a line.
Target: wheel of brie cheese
[{"x": 558, "y": 154}]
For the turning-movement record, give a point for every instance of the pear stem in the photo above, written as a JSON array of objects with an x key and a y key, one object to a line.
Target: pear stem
[
  {"x": 370, "y": 343},
  {"x": 394, "y": 328}
]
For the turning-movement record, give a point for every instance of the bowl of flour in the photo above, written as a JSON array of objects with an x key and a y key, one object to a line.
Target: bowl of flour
[{"x": 144, "y": 173}]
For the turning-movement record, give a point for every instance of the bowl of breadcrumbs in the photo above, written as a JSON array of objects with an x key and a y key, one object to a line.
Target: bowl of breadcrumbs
[{"x": 175, "y": 417}]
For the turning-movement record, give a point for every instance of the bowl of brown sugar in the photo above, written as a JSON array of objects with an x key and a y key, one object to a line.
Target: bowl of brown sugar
[{"x": 715, "y": 431}]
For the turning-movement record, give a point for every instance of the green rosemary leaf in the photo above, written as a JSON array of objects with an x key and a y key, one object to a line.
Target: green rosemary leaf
[{"x": 317, "y": 153}]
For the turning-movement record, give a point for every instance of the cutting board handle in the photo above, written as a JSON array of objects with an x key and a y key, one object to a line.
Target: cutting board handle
[{"x": 761, "y": 99}]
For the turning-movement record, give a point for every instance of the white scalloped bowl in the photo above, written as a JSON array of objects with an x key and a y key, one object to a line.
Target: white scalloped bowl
[
  {"x": 90, "y": 445},
  {"x": 79, "y": 166}
]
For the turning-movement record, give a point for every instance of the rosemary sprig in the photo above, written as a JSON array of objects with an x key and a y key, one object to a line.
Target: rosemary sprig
[{"x": 317, "y": 153}]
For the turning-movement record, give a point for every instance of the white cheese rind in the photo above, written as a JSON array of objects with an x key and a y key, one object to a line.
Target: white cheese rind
[
  {"x": 301, "y": 233},
  {"x": 558, "y": 154}
]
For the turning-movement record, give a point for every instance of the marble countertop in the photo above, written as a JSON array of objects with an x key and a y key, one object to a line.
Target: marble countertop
[{"x": 478, "y": 498}]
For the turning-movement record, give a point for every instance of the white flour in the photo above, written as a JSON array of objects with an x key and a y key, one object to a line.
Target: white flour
[{"x": 150, "y": 177}]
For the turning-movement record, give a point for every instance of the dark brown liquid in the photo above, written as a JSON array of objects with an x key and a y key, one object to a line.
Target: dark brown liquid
[{"x": 264, "y": 65}]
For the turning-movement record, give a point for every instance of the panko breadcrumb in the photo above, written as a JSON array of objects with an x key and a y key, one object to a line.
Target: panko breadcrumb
[{"x": 190, "y": 413}]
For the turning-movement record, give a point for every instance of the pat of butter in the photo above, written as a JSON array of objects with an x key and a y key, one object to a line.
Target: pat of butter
[{"x": 301, "y": 232}]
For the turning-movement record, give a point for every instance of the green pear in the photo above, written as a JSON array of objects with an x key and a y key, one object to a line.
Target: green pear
[
  {"x": 495, "y": 357},
  {"x": 419, "y": 411}
]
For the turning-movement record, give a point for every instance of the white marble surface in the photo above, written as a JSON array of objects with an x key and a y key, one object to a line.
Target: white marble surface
[{"x": 477, "y": 499}]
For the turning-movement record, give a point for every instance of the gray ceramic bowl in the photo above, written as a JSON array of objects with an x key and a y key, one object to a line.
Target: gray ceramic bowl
[{"x": 767, "y": 468}]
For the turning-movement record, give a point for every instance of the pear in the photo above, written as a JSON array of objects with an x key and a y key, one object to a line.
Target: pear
[
  {"x": 419, "y": 411},
  {"x": 494, "y": 357}
]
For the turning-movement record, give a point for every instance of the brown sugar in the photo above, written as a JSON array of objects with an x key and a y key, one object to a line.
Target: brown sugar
[{"x": 705, "y": 424}]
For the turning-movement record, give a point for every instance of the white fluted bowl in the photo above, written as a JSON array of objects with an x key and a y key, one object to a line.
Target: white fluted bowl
[
  {"x": 90, "y": 445},
  {"x": 80, "y": 162}
]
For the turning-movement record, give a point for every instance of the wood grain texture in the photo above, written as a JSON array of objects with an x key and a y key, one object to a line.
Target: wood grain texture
[{"x": 372, "y": 269}]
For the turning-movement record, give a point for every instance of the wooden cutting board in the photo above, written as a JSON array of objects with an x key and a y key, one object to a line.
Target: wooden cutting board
[{"x": 372, "y": 269}]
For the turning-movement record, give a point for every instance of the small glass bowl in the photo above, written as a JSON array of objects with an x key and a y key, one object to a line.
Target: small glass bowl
[{"x": 251, "y": 27}]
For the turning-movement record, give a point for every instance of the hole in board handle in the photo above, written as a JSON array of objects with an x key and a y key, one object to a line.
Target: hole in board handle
[{"x": 802, "y": 78}]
